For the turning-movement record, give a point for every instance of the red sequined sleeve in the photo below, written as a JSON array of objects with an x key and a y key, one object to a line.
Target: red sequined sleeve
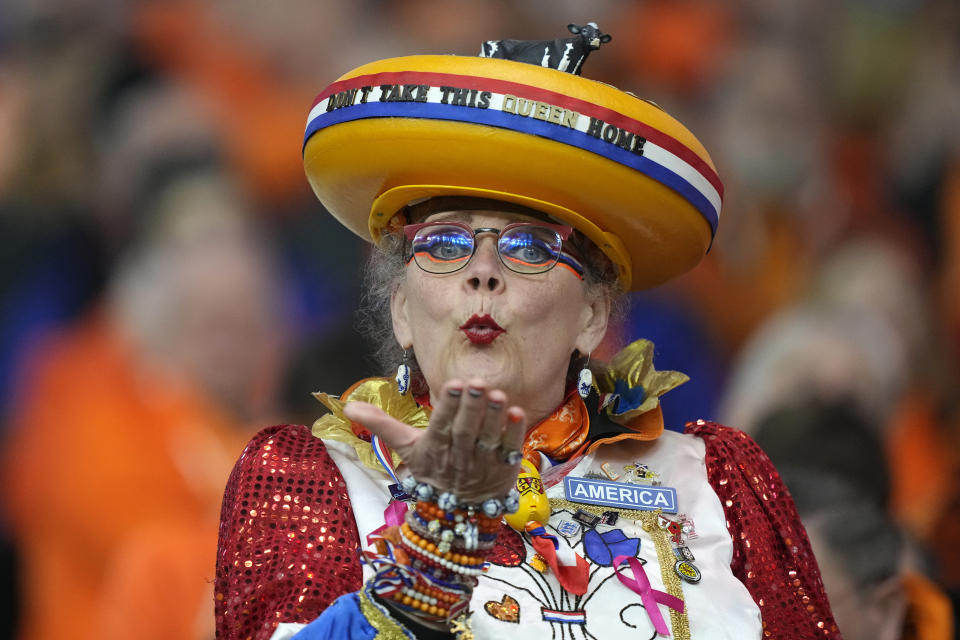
[
  {"x": 771, "y": 552},
  {"x": 288, "y": 539}
]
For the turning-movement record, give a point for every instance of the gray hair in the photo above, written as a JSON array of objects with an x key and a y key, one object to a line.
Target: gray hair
[{"x": 385, "y": 271}]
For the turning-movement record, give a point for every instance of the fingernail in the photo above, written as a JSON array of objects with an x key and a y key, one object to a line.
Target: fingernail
[
  {"x": 476, "y": 393},
  {"x": 454, "y": 392},
  {"x": 493, "y": 404}
]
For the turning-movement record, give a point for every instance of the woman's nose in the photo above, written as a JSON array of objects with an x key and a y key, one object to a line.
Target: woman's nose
[{"x": 484, "y": 273}]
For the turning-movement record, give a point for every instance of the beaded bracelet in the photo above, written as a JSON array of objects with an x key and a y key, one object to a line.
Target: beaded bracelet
[
  {"x": 430, "y": 603},
  {"x": 430, "y": 599},
  {"x": 425, "y": 527},
  {"x": 457, "y": 527},
  {"x": 448, "y": 501},
  {"x": 423, "y": 542},
  {"x": 441, "y": 552},
  {"x": 464, "y": 535},
  {"x": 431, "y": 511},
  {"x": 458, "y": 563}
]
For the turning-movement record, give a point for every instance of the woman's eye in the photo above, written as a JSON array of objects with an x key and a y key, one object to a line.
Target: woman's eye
[
  {"x": 448, "y": 247},
  {"x": 528, "y": 250},
  {"x": 534, "y": 253},
  {"x": 448, "y": 250}
]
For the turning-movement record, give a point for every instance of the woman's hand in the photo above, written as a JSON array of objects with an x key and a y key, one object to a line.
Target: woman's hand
[{"x": 464, "y": 448}]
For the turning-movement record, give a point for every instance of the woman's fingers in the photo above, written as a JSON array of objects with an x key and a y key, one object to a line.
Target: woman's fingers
[
  {"x": 399, "y": 435},
  {"x": 515, "y": 430},
  {"x": 441, "y": 419},
  {"x": 467, "y": 422},
  {"x": 491, "y": 427}
]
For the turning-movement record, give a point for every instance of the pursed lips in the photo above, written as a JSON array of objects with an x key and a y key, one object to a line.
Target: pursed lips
[{"x": 481, "y": 329}]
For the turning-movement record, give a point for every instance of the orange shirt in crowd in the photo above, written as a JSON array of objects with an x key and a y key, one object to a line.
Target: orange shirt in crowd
[{"x": 112, "y": 481}]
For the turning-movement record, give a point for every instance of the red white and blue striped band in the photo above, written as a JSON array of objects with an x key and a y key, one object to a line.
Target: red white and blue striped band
[
  {"x": 567, "y": 617},
  {"x": 526, "y": 109},
  {"x": 384, "y": 457}
]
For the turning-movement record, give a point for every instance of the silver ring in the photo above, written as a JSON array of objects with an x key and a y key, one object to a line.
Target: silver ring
[
  {"x": 512, "y": 457},
  {"x": 485, "y": 446}
]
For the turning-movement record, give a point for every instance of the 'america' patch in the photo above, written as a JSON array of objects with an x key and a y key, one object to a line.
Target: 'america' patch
[{"x": 620, "y": 495}]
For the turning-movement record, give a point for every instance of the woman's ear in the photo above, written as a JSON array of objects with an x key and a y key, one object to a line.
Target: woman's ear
[
  {"x": 400, "y": 319},
  {"x": 596, "y": 316}
]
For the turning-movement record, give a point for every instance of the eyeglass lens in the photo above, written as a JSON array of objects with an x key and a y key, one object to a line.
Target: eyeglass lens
[{"x": 524, "y": 248}]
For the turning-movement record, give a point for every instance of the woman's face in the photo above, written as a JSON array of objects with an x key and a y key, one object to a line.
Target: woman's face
[{"x": 453, "y": 321}]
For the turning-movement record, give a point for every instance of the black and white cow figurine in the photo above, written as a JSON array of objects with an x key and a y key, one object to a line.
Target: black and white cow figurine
[{"x": 564, "y": 54}]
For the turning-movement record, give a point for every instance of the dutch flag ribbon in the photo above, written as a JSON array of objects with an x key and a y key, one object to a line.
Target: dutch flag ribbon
[{"x": 571, "y": 570}]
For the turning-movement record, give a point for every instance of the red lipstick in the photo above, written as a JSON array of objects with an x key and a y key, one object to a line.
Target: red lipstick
[{"x": 481, "y": 329}]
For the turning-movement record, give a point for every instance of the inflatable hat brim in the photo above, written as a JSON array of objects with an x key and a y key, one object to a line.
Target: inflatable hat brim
[{"x": 617, "y": 168}]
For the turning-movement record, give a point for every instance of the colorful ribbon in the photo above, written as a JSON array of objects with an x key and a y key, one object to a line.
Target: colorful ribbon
[
  {"x": 571, "y": 571},
  {"x": 640, "y": 585},
  {"x": 540, "y": 532},
  {"x": 382, "y": 451},
  {"x": 390, "y": 576},
  {"x": 393, "y": 516}
]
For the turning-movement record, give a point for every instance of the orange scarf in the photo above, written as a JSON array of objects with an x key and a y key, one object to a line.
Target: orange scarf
[{"x": 561, "y": 434}]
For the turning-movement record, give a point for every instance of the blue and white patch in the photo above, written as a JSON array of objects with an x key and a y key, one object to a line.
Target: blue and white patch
[
  {"x": 620, "y": 495},
  {"x": 567, "y": 528}
]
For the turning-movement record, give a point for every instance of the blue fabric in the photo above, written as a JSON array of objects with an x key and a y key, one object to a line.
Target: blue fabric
[
  {"x": 628, "y": 398},
  {"x": 602, "y": 548},
  {"x": 342, "y": 620}
]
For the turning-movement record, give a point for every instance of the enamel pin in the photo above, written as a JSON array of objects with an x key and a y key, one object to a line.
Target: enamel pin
[
  {"x": 586, "y": 518},
  {"x": 688, "y": 571},
  {"x": 639, "y": 473}
]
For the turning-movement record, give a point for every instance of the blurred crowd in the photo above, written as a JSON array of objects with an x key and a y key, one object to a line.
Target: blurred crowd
[{"x": 168, "y": 283}]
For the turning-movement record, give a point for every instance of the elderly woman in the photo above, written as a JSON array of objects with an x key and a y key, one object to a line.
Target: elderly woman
[{"x": 504, "y": 484}]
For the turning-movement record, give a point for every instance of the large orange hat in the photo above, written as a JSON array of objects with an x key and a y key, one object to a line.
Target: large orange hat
[{"x": 617, "y": 168}]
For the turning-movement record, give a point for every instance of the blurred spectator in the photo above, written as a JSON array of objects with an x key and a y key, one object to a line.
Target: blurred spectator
[
  {"x": 821, "y": 352},
  {"x": 131, "y": 421},
  {"x": 878, "y": 280},
  {"x": 865, "y": 333},
  {"x": 769, "y": 125},
  {"x": 147, "y": 129},
  {"x": 220, "y": 54},
  {"x": 52, "y": 70},
  {"x": 834, "y": 467}
]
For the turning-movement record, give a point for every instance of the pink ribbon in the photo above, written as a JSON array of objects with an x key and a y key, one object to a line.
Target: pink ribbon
[
  {"x": 640, "y": 585},
  {"x": 392, "y": 516}
]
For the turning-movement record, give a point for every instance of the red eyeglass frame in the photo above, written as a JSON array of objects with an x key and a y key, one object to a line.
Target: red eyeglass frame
[{"x": 564, "y": 231}]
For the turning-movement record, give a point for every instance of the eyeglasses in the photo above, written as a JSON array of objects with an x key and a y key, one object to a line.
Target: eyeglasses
[{"x": 524, "y": 247}]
